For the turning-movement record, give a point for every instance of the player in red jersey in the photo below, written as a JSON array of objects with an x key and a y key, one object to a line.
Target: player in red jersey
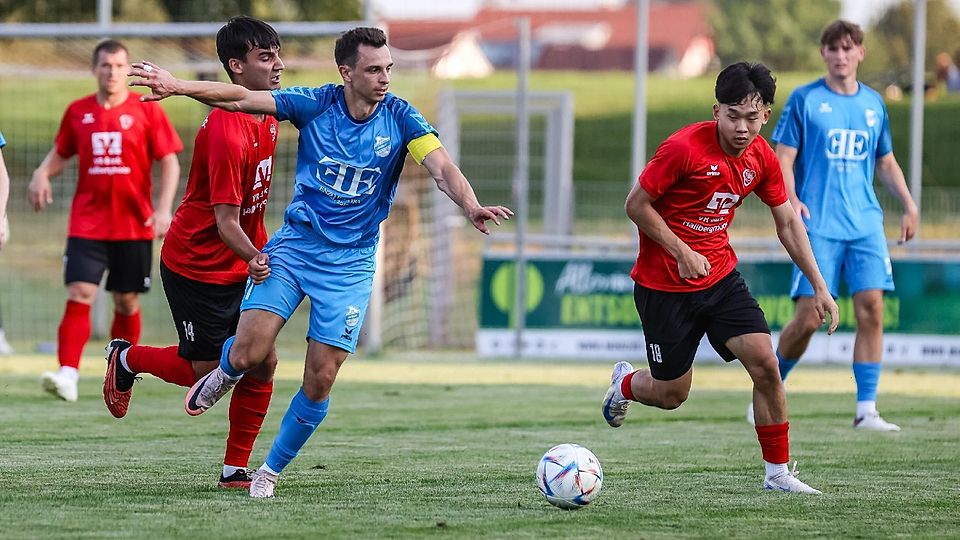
[
  {"x": 687, "y": 285},
  {"x": 213, "y": 244},
  {"x": 116, "y": 138}
]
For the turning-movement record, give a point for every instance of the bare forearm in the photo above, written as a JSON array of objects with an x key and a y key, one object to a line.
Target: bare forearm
[
  {"x": 654, "y": 227},
  {"x": 794, "y": 238},
  {"x": 896, "y": 183},
  {"x": 169, "y": 178},
  {"x": 237, "y": 240},
  {"x": 454, "y": 184}
]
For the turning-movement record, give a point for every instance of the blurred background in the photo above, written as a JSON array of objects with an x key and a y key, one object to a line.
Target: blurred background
[{"x": 457, "y": 61}]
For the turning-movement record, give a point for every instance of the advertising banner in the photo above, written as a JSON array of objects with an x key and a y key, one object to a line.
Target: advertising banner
[{"x": 583, "y": 307}]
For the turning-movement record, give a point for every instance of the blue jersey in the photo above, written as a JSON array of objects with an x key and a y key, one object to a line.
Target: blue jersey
[
  {"x": 838, "y": 139},
  {"x": 347, "y": 171}
]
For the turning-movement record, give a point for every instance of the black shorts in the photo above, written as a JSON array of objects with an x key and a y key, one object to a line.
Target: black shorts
[
  {"x": 205, "y": 314},
  {"x": 127, "y": 263},
  {"x": 675, "y": 322}
]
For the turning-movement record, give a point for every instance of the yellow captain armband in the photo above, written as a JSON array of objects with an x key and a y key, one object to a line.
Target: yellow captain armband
[{"x": 423, "y": 145}]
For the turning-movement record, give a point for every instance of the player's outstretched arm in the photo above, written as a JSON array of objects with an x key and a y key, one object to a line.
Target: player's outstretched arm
[
  {"x": 454, "y": 184},
  {"x": 39, "y": 190},
  {"x": 230, "y": 97},
  {"x": 793, "y": 236},
  {"x": 892, "y": 177},
  {"x": 640, "y": 210}
]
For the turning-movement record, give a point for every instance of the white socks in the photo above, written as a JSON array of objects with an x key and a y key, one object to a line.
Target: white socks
[
  {"x": 268, "y": 470},
  {"x": 230, "y": 469},
  {"x": 69, "y": 373},
  {"x": 866, "y": 408},
  {"x": 123, "y": 362},
  {"x": 774, "y": 470}
]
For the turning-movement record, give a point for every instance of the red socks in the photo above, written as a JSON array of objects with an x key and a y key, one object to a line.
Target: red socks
[
  {"x": 248, "y": 408},
  {"x": 73, "y": 333},
  {"x": 625, "y": 386},
  {"x": 126, "y": 327},
  {"x": 774, "y": 442},
  {"x": 162, "y": 362}
]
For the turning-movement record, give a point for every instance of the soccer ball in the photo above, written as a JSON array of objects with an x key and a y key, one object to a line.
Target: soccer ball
[{"x": 569, "y": 476}]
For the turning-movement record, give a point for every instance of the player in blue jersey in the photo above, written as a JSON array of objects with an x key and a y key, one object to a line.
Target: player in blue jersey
[
  {"x": 353, "y": 141},
  {"x": 833, "y": 134},
  {"x": 5, "y": 347}
]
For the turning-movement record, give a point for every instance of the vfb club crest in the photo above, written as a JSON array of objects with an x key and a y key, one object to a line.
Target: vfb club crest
[{"x": 748, "y": 176}]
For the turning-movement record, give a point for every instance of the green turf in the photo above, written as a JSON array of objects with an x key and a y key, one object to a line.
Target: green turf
[{"x": 457, "y": 461}]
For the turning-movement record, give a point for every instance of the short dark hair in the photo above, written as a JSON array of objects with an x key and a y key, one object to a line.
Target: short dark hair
[
  {"x": 345, "y": 51},
  {"x": 108, "y": 46},
  {"x": 739, "y": 81},
  {"x": 839, "y": 29},
  {"x": 241, "y": 35}
]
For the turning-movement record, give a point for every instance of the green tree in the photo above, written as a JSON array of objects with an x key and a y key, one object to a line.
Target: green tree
[
  {"x": 271, "y": 10},
  {"x": 784, "y": 34},
  {"x": 890, "y": 42}
]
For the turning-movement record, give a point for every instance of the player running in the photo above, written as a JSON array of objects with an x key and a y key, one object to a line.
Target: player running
[
  {"x": 353, "y": 141},
  {"x": 117, "y": 138},
  {"x": 832, "y": 134},
  {"x": 687, "y": 284},
  {"x": 213, "y": 243}
]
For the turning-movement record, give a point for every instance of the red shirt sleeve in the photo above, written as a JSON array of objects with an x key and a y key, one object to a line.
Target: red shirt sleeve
[
  {"x": 66, "y": 141},
  {"x": 772, "y": 191},
  {"x": 665, "y": 168},
  {"x": 227, "y": 151},
  {"x": 163, "y": 139}
]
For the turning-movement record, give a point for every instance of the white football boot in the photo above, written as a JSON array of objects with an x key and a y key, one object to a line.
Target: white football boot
[
  {"x": 59, "y": 385},
  {"x": 208, "y": 390},
  {"x": 263, "y": 484},
  {"x": 614, "y": 404},
  {"x": 788, "y": 483},
  {"x": 874, "y": 422}
]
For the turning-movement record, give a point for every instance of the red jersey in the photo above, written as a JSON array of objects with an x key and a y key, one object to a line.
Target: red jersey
[
  {"x": 232, "y": 164},
  {"x": 115, "y": 150},
  {"x": 697, "y": 187}
]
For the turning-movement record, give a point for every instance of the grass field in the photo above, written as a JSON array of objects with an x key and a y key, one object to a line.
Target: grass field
[{"x": 437, "y": 448}]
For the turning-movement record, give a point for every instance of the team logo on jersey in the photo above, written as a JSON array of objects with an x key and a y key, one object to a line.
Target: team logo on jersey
[
  {"x": 713, "y": 171},
  {"x": 273, "y": 133},
  {"x": 126, "y": 121},
  {"x": 848, "y": 144},
  {"x": 381, "y": 146},
  {"x": 748, "y": 176},
  {"x": 825, "y": 107},
  {"x": 87, "y": 118},
  {"x": 107, "y": 143},
  {"x": 871, "y": 116}
]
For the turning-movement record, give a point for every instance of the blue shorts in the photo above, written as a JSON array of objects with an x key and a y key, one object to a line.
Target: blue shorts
[
  {"x": 864, "y": 263},
  {"x": 337, "y": 280}
]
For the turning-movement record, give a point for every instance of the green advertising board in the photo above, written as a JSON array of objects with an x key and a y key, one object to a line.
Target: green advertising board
[{"x": 594, "y": 296}]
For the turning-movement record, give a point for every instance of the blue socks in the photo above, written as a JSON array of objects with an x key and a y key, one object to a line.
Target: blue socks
[
  {"x": 785, "y": 365},
  {"x": 225, "y": 359},
  {"x": 298, "y": 424},
  {"x": 867, "y": 376}
]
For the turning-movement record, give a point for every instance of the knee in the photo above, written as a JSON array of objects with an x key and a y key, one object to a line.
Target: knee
[
  {"x": 809, "y": 322},
  {"x": 870, "y": 317},
  {"x": 241, "y": 358}
]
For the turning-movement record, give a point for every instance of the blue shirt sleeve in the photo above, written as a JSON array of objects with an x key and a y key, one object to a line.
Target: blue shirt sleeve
[
  {"x": 413, "y": 123},
  {"x": 300, "y": 104},
  {"x": 3, "y": 142},
  {"x": 789, "y": 126},
  {"x": 885, "y": 142}
]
